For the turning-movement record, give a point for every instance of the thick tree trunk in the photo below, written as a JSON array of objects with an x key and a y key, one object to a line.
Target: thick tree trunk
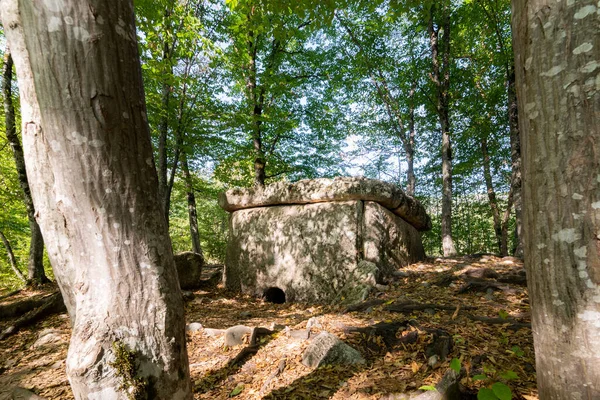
[
  {"x": 441, "y": 79},
  {"x": 557, "y": 55},
  {"x": 35, "y": 266},
  {"x": 515, "y": 152},
  {"x": 191, "y": 200},
  {"x": 11, "y": 258},
  {"x": 94, "y": 185}
]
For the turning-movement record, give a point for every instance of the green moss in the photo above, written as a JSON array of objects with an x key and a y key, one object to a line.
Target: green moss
[{"x": 127, "y": 369}]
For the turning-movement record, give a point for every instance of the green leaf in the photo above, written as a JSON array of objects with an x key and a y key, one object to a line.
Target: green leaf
[
  {"x": 517, "y": 350},
  {"x": 502, "y": 391},
  {"x": 455, "y": 365},
  {"x": 486, "y": 394},
  {"x": 509, "y": 375},
  {"x": 503, "y": 314},
  {"x": 238, "y": 389},
  {"x": 428, "y": 388},
  {"x": 480, "y": 377}
]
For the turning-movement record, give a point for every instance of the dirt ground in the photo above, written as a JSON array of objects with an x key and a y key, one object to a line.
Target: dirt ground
[{"x": 479, "y": 301}]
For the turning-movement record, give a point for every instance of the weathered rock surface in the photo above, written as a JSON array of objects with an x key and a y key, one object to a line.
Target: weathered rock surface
[
  {"x": 189, "y": 269},
  {"x": 306, "y": 251},
  {"x": 234, "y": 336},
  {"x": 334, "y": 244},
  {"x": 328, "y": 349},
  {"x": 315, "y": 252},
  {"x": 326, "y": 190},
  {"x": 389, "y": 241}
]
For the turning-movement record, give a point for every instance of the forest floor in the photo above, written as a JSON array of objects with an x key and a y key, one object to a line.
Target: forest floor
[{"x": 479, "y": 301}]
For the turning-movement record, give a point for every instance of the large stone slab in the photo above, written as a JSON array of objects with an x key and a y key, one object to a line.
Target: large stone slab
[
  {"x": 389, "y": 241},
  {"x": 308, "y": 251},
  {"x": 322, "y": 252},
  {"x": 327, "y": 190}
]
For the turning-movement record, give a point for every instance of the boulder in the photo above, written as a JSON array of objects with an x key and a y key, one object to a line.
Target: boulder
[
  {"x": 328, "y": 349},
  {"x": 234, "y": 336},
  {"x": 189, "y": 269}
]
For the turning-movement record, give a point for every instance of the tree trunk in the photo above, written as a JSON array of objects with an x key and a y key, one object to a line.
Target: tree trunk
[
  {"x": 11, "y": 258},
  {"x": 487, "y": 175},
  {"x": 163, "y": 132},
  {"x": 94, "y": 185},
  {"x": 35, "y": 266},
  {"x": 441, "y": 79},
  {"x": 557, "y": 49},
  {"x": 191, "y": 200},
  {"x": 515, "y": 152},
  {"x": 411, "y": 180}
]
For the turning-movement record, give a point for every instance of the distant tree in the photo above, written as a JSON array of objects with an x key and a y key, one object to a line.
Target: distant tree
[
  {"x": 557, "y": 53},
  {"x": 439, "y": 38},
  {"x": 94, "y": 184},
  {"x": 35, "y": 265}
]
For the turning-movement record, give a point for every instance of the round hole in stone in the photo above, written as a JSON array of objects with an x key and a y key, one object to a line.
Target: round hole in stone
[{"x": 274, "y": 295}]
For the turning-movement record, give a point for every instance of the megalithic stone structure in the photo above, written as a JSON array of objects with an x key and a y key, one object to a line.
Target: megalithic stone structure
[{"x": 321, "y": 240}]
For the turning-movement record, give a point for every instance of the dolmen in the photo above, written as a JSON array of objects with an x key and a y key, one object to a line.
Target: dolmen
[{"x": 320, "y": 241}]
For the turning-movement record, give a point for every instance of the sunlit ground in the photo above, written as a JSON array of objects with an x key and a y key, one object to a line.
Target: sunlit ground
[{"x": 275, "y": 371}]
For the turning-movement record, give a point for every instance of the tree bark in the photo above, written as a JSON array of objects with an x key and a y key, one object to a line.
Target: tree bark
[
  {"x": 35, "y": 266},
  {"x": 557, "y": 54},
  {"x": 441, "y": 78},
  {"x": 515, "y": 153},
  {"x": 191, "y": 200},
  {"x": 501, "y": 234},
  {"x": 411, "y": 180},
  {"x": 11, "y": 258},
  {"x": 95, "y": 188}
]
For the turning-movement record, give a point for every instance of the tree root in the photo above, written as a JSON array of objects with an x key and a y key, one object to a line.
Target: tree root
[{"x": 52, "y": 304}]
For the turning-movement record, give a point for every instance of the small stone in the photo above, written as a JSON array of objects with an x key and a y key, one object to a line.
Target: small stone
[
  {"x": 425, "y": 284},
  {"x": 328, "y": 349},
  {"x": 313, "y": 322},
  {"x": 187, "y": 295},
  {"x": 234, "y": 336},
  {"x": 301, "y": 334},
  {"x": 213, "y": 332},
  {"x": 193, "y": 327},
  {"x": 245, "y": 314},
  {"x": 276, "y": 327},
  {"x": 47, "y": 336},
  {"x": 433, "y": 360}
]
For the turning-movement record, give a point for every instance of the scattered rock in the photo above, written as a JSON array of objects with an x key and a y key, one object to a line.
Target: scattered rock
[
  {"x": 328, "y": 349},
  {"x": 47, "y": 336},
  {"x": 313, "y": 322},
  {"x": 188, "y": 295},
  {"x": 213, "y": 332},
  {"x": 276, "y": 327},
  {"x": 20, "y": 393},
  {"x": 193, "y": 327},
  {"x": 234, "y": 336},
  {"x": 302, "y": 334},
  {"x": 245, "y": 314},
  {"x": 433, "y": 360},
  {"x": 401, "y": 274},
  {"x": 189, "y": 269}
]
